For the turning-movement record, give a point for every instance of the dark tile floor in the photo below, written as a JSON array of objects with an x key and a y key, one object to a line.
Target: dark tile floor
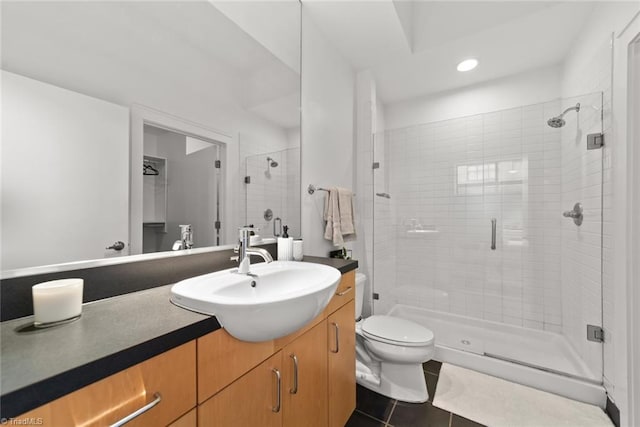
[{"x": 375, "y": 410}]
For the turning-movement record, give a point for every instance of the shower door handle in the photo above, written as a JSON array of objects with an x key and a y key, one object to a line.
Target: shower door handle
[
  {"x": 277, "y": 229},
  {"x": 493, "y": 234}
]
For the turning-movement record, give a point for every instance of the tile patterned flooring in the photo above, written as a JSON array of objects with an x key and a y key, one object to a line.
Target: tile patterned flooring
[{"x": 374, "y": 410}]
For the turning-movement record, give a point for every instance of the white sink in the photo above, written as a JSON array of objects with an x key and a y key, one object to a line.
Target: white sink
[{"x": 281, "y": 298}]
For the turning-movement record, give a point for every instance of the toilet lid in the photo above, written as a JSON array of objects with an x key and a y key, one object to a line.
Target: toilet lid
[{"x": 397, "y": 330}]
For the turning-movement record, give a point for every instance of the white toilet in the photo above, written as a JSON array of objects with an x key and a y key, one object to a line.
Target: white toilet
[{"x": 390, "y": 352}]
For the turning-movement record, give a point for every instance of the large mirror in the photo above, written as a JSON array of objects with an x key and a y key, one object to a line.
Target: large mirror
[{"x": 123, "y": 121}]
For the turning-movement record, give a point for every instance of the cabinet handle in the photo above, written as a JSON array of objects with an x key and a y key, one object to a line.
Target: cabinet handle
[
  {"x": 145, "y": 408},
  {"x": 335, "y": 325},
  {"x": 294, "y": 390},
  {"x": 278, "y": 390},
  {"x": 346, "y": 291}
]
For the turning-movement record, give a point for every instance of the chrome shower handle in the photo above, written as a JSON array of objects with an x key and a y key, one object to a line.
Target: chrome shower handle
[
  {"x": 493, "y": 233},
  {"x": 575, "y": 213}
]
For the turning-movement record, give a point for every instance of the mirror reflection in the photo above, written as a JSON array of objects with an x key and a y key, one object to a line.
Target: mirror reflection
[{"x": 123, "y": 121}]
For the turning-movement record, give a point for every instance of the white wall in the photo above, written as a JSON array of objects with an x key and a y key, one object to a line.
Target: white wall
[
  {"x": 528, "y": 88},
  {"x": 588, "y": 69},
  {"x": 60, "y": 149},
  {"x": 327, "y": 129}
]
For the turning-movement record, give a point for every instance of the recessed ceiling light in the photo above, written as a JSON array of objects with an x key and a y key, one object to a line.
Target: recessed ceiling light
[{"x": 467, "y": 65}]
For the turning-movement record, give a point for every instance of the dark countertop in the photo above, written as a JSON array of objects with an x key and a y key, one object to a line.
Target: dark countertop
[
  {"x": 343, "y": 265},
  {"x": 41, "y": 365}
]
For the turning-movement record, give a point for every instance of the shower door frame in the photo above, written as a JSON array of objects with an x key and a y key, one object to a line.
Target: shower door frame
[{"x": 626, "y": 105}]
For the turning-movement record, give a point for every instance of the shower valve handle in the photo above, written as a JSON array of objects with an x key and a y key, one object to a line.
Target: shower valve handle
[{"x": 575, "y": 213}]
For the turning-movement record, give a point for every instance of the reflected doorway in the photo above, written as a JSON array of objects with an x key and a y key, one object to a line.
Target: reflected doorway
[{"x": 181, "y": 185}]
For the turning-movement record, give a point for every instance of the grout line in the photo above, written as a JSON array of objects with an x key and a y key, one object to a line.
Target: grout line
[
  {"x": 370, "y": 416},
  {"x": 395, "y": 403},
  {"x": 450, "y": 418}
]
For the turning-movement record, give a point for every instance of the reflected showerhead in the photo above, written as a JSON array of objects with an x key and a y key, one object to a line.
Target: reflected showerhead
[
  {"x": 272, "y": 162},
  {"x": 558, "y": 121}
]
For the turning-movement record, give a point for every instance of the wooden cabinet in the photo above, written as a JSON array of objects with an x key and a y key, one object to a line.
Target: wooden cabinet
[
  {"x": 222, "y": 359},
  {"x": 342, "y": 361},
  {"x": 305, "y": 379},
  {"x": 321, "y": 356},
  {"x": 172, "y": 375},
  {"x": 190, "y": 419},
  {"x": 346, "y": 292},
  {"x": 253, "y": 400}
]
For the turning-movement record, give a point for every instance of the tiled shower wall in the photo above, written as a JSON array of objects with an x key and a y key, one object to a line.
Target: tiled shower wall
[
  {"x": 447, "y": 180},
  {"x": 275, "y": 188}
]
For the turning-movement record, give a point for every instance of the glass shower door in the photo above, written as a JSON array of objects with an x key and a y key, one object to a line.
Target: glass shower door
[{"x": 473, "y": 243}]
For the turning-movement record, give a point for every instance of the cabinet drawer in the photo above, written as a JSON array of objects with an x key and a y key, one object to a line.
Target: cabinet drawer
[
  {"x": 346, "y": 292},
  {"x": 171, "y": 374}
]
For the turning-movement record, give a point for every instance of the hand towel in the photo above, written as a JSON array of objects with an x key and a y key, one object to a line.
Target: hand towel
[
  {"x": 345, "y": 206},
  {"x": 338, "y": 213}
]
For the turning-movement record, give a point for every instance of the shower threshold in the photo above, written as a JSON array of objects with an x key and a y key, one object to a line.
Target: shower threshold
[{"x": 539, "y": 359}]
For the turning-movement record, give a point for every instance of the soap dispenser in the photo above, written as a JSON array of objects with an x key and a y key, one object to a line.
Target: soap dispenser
[{"x": 285, "y": 246}]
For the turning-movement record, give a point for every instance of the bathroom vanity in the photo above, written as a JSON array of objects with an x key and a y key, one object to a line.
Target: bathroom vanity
[{"x": 138, "y": 350}]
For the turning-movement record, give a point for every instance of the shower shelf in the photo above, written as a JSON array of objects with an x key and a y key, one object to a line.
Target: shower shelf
[{"x": 422, "y": 231}]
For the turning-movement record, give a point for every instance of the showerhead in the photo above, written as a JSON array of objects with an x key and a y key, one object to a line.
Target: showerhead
[
  {"x": 558, "y": 121},
  {"x": 272, "y": 162}
]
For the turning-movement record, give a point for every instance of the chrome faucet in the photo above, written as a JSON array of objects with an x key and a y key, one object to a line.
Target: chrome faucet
[
  {"x": 186, "y": 238},
  {"x": 244, "y": 251}
]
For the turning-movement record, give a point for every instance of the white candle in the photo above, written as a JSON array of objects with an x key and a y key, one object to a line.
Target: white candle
[{"x": 57, "y": 300}]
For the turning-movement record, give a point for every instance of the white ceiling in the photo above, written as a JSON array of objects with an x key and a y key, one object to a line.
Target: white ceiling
[
  {"x": 154, "y": 53},
  {"x": 412, "y": 48}
]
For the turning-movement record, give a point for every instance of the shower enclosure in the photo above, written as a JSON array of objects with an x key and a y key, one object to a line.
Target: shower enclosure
[
  {"x": 472, "y": 242},
  {"x": 272, "y": 185}
]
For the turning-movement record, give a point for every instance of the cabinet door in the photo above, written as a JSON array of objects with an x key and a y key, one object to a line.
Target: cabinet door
[
  {"x": 253, "y": 400},
  {"x": 222, "y": 359},
  {"x": 341, "y": 336},
  {"x": 187, "y": 420},
  {"x": 305, "y": 379}
]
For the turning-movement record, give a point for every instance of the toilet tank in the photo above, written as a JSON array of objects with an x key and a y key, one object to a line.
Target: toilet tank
[{"x": 360, "y": 280}]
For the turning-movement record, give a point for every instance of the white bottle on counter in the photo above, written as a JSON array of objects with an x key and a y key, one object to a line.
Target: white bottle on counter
[{"x": 285, "y": 246}]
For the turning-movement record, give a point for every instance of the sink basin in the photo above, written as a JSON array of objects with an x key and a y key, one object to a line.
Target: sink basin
[{"x": 281, "y": 298}]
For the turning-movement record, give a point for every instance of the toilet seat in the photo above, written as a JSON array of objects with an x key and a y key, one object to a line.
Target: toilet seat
[{"x": 396, "y": 331}]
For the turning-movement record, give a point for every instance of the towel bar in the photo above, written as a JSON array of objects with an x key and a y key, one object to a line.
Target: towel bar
[{"x": 312, "y": 189}]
